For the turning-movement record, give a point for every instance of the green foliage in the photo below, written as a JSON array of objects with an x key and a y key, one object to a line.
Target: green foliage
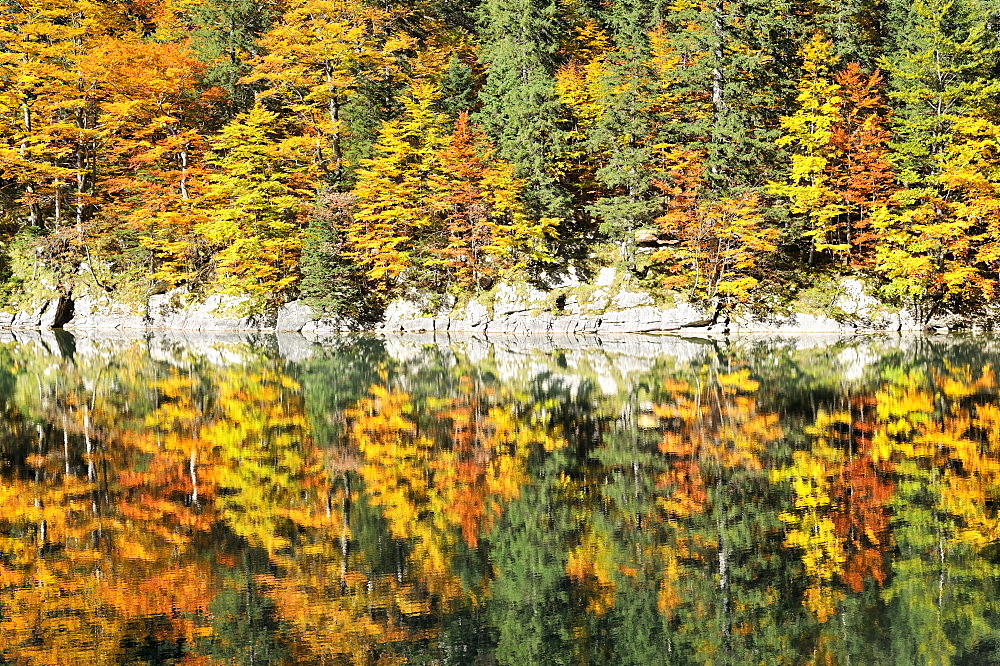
[
  {"x": 458, "y": 88},
  {"x": 226, "y": 37},
  {"x": 520, "y": 110},
  {"x": 331, "y": 284}
]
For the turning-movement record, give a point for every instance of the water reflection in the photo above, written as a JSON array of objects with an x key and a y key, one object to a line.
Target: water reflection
[{"x": 265, "y": 500}]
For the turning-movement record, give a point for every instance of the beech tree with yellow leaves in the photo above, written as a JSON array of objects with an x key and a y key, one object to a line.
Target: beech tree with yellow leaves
[
  {"x": 316, "y": 55},
  {"x": 255, "y": 205},
  {"x": 808, "y": 133}
]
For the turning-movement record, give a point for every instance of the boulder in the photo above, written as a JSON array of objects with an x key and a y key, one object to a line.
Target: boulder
[
  {"x": 633, "y": 320},
  {"x": 293, "y": 316},
  {"x": 631, "y": 299},
  {"x": 508, "y": 301},
  {"x": 402, "y": 309},
  {"x": 417, "y": 325},
  {"x": 680, "y": 316}
]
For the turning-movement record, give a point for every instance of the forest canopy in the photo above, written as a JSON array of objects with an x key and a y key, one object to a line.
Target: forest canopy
[{"x": 347, "y": 151}]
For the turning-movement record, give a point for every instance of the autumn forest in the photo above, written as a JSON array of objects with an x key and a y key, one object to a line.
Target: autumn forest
[{"x": 346, "y": 151}]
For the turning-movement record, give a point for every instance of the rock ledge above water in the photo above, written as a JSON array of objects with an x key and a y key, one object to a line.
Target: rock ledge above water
[{"x": 606, "y": 306}]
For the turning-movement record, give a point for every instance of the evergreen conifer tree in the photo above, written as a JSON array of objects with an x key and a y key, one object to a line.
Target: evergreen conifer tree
[
  {"x": 520, "y": 110},
  {"x": 742, "y": 54},
  {"x": 331, "y": 283},
  {"x": 226, "y": 36},
  {"x": 458, "y": 91}
]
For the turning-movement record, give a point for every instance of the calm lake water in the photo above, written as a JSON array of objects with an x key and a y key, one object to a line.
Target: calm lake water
[{"x": 262, "y": 500}]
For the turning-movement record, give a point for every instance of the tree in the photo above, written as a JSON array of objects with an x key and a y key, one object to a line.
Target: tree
[
  {"x": 520, "y": 111},
  {"x": 392, "y": 212},
  {"x": 226, "y": 37},
  {"x": 155, "y": 113},
  {"x": 438, "y": 209},
  {"x": 718, "y": 250},
  {"x": 724, "y": 46},
  {"x": 860, "y": 171},
  {"x": 317, "y": 54},
  {"x": 332, "y": 283},
  {"x": 479, "y": 199},
  {"x": 39, "y": 94},
  {"x": 808, "y": 131},
  {"x": 253, "y": 208},
  {"x": 942, "y": 83}
]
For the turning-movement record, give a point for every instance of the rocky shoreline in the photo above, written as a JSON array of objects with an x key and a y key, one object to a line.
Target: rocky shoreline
[{"x": 605, "y": 307}]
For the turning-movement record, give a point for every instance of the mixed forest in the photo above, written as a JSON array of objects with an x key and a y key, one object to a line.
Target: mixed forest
[{"x": 347, "y": 151}]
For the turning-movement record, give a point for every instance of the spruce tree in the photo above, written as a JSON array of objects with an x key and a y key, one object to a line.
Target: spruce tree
[
  {"x": 625, "y": 130},
  {"x": 458, "y": 88},
  {"x": 629, "y": 23},
  {"x": 333, "y": 285},
  {"x": 225, "y": 35},
  {"x": 520, "y": 110},
  {"x": 623, "y": 133},
  {"x": 742, "y": 56}
]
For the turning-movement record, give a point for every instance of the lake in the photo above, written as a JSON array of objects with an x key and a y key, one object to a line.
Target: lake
[{"x": 242, "y": 499}]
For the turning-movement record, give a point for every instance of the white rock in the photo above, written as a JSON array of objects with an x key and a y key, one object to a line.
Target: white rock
[
  {"x": 293, "y": 316},
  {"x": 508, "y": 301},
  {"x": 853, "y": 300},
  {"x": 567, "y": 280},
  {"x": 401, "y": 309},
  {"x": 631, "y": 299},
  {"x": 536, "y": 295},
  {"x": 476, "y": 315},
  {"x": 598, "y": 300},
  {"x": 606, "y": 277},
  {"x": 416, "y": 325}
]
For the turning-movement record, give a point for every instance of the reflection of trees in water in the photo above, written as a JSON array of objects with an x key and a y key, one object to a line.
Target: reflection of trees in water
[{"x": 745, "y": 502}]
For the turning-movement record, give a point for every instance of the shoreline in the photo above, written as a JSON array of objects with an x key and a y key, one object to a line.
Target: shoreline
[{"x": 511, "y": 309}]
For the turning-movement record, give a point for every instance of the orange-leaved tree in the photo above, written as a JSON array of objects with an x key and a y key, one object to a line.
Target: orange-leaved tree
[
  {"x": 477, "y": 198},
  {"x": 860, "y": 171},
  {"x": 152, "y": 126},
  {"x": 715, "y": 248}
]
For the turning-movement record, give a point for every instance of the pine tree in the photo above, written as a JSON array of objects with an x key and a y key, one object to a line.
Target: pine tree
[
  {"x": 625, "y": 134},
  {"x": 742, "y": 55},
  {"x": 629, "y": 23}
]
